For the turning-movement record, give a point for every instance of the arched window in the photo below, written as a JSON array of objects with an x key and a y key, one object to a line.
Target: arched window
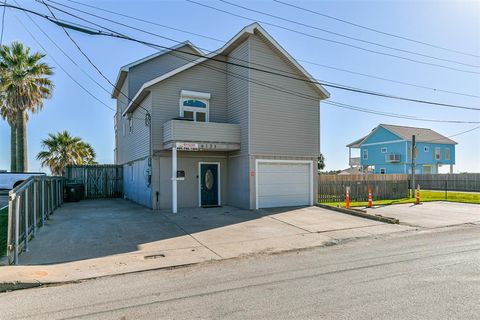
[{"x": 194, "y": 105}]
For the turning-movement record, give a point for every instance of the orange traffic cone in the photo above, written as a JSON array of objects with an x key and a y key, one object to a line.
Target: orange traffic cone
[
  {"x": 417, "y": 197},
  {"x": 347, "y": 199},
  {"x": 369, "y": 197}
]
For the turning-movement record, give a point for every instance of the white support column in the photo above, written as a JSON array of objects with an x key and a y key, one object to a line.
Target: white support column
[
  {"x": 174, "y": 178},
  {"x": 350, "y": 157},
  {"x": 451, "y": 168}
]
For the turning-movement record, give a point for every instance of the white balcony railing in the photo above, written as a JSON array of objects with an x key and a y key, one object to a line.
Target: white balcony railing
[
  {"x": 354, "y": 162},
  {"x": 211, "y": 135}
]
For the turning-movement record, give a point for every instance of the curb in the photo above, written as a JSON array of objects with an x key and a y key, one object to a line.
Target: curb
[{"x": 361, "y": 213}]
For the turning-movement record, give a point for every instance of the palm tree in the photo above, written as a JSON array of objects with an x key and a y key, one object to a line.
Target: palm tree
[
  {"x": 64, "y": 149},
  {"x": 25, "y": 84},
  {"x": 8, "y": 114}
]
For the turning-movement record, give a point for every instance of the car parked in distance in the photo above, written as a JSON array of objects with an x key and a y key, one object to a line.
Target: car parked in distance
[{"x": 9, "y": 180}]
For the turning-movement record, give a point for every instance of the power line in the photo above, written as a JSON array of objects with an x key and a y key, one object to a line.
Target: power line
[
  {"x": 223, "y": 41},
  {"x": 349, "y": 37},
  {"x": 3, "y": 22},
  {"x": 142, "y": 20},
  {"x": 375, "y": 30},
  {"x": 335, "y": 41},
  {"x": 60, "y": 66},
  {"x": 90, "y": 61},
  {"x": 66, "y": 55},
  {"x": 303, "y": 96},
  {"x": 314, "y": 81},
  {"x": 456, "y": 134},
  {"x": 392, "y": 115}
]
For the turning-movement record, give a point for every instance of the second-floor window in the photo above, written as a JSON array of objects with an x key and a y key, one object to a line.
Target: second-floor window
[
  {"x": 438, "y": 154},
  {"x": 195, "y": 106},
  {"x": 365, "y": 154},
  {"x": 383, "y": 150},
  {"x": 447, "y": 153}
]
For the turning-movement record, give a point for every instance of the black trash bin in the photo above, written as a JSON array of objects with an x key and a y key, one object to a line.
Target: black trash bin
[{"x": 74, "y": 192}]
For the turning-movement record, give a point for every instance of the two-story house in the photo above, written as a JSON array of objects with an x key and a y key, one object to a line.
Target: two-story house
[
  {"x": 239, "y": 126},
  {"x": 388, "y": 149}
]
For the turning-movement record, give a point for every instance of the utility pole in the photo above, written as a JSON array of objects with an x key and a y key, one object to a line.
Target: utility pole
[{"x": 413, "y": 166}]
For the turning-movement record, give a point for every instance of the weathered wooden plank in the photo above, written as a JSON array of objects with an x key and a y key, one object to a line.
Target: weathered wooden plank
[{"x": 100, "y": 181}]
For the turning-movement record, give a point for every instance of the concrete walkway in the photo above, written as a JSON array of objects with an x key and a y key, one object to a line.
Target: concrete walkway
[
  {"x": 107, "y": 237},
  {"x": 435, "y": 214}
]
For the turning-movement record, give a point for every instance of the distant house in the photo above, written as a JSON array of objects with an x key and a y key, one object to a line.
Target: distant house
[
  {"x": 219, "y": 131},
  {"x": 387, "y": 149}
]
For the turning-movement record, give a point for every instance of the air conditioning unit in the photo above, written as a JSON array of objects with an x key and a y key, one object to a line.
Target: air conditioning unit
[{"x": 392, "y": 157}]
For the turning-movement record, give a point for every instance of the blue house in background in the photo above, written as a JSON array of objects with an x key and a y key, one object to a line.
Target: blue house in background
[{"x": 387, "y": 149}]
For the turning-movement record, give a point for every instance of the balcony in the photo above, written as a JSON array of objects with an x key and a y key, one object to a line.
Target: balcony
[
  {"x": 204, "y": 135},
  {"x": 354, "y": 162}
]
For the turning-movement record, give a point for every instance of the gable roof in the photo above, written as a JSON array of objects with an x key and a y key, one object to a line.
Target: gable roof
[
  {"x": 406, "y": 133},
  {"x": 122, "y": 74},
  {"x": 228, "y": 47}
]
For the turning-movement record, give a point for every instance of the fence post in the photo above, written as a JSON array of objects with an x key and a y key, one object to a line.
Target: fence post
[
  {"x": 43, "y": 202},
  {"x": 446, "y": 189},
  {"x": 27, "y": 203},
  {"x": 17, "y": 228},
  {"x": 35, "y": 207}
]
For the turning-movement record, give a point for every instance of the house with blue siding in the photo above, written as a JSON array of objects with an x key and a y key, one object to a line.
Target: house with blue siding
[{"x": 388, "y": 149}]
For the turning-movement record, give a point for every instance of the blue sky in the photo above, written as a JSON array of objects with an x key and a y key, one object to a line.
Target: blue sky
[{"x": 452, "y": 24}]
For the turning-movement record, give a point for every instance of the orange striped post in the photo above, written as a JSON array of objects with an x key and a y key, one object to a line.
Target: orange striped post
[
  {"x": 347, "y": 199},
  {"x": 417, "y": 198},
  {"x": 369, "y": 197}
]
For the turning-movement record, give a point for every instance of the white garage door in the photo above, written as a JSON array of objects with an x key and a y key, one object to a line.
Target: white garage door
[{"x": 282, "y": 184}]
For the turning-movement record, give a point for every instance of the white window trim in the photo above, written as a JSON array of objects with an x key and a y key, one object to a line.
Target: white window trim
[
  {"x": 200, "y": 183},
  {"x": 384, "y": 171},
  {"x": 257, "y": 161},
  {"x": 383, "y": 149},
  {"x": 426, "y": 149},
  {"x": 123, "y": 128},
  {"x": 202, "y": 96},
  {"x": 437, "y": 153},
  {"x": 365, "y": 154}
]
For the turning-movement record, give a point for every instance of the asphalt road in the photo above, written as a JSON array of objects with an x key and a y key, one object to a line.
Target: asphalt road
[{"x": 428, "y": 275}]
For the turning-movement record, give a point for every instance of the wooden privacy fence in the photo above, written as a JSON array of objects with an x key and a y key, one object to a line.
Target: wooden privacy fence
[
  {"x": 100, "y": 181},
  {"x": 29, "y": 205},
  {"x": 332, "y": 188},
  {"x": 450, "y": 182}
]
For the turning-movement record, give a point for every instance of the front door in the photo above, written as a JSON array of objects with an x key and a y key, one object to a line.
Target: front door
[{"x": 209, "y": 184}]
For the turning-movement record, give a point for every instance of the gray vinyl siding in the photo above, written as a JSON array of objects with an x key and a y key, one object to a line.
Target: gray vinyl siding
[
  {"x": 135, "y": 144},
  {"x": 136, "y": 187},
  {"x": 238, "y": 92},
  {"x": 239, "y": 178},
  {"x": 122, "y": 103},
  {"x": 281, "y": 123},
  {"x": 188, "y": 190},
  {"x": 166, "y": 95},
  {"x": 158, "y": 66}
]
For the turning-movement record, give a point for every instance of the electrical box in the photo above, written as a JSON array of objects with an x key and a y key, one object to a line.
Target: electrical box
[{"x": 180, "y": 175}]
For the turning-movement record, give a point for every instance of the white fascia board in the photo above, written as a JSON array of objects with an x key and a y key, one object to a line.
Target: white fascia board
[
  {"x": 247, "y": 30},
  {"x": 195, "y": 94}
]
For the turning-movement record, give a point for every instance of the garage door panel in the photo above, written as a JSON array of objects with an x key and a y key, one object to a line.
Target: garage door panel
[{"x": 282, "y": 184}]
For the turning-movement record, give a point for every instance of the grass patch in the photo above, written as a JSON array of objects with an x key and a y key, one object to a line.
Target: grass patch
[
  {"x": 3, "y": 231},
  {"x": 425, "y": 196}
]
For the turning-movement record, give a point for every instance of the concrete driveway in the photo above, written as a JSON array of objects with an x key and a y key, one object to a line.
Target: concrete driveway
[
  {"x": 104, "y": 237},
  {"x": 432, "y": 214}
]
